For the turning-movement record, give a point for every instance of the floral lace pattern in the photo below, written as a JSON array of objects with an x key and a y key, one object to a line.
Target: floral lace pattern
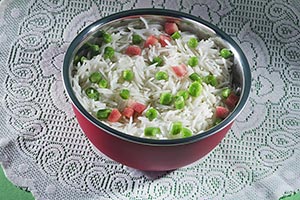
[{"x": 43, "y": 148}]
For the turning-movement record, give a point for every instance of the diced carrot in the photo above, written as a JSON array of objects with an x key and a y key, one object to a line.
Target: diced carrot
[
  {"x": 151, "y": 41},
  {"x": 180, "y": 70},
  {"x": 231, "y": 100},
  {"x": 133, "y": 50},
  {"x": 138, "y": 107},
  {"x": 171, "y": 27},
  {"x": 128, "y": 112},
  {"x": 222, "y": 112},
  {"x": 114, "y": 116},
  {"x": 163, "y": 39}
]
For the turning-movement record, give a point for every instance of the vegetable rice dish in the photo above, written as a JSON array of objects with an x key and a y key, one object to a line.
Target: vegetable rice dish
[{"x": 154, "y": 80}]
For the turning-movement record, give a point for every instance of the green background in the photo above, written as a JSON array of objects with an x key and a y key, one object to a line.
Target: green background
[{"x": 10, "y": 192}]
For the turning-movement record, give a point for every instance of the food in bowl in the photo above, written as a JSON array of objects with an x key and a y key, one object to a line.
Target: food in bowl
[{"x": 150, "y": 79}]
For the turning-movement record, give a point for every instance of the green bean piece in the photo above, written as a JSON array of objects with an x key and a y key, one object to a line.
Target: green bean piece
[
  {"x": 176, "y": 128},
  {"x": 151, "y": 131},
  {"x": 193, "y": 61},
  {"x": 128, "y": 75},
  {"x": 195, "y": 77},
  {"x": 226, "y": 92},
  {"x": 92, "y": 93},
  {"x": 161, "y": 75},
  {"x": 186, "y": 132},
  {"x": 158, "y": 60},
  {"x": 95, "y": 77},
  {"x": 109, "y": 52},
  {"x": 136, "y": 39},
  {"x": 125, "y": 94},
  {"x": 107, "y": 38},
  {"x": 195, "y": 89},
  {"x": 211, "y": 80},
  {"x": 151, "y": 114},
  {"x": 103, "y": 113},
  {"x": 103, "y": 83},
  {"x": 176, "y": 35},
  {"x": 179, "y": 102},
  {"x": 193, "y": 43},
  {"x": 166, "y": 98},
  {"x": 226, "y": 53}
]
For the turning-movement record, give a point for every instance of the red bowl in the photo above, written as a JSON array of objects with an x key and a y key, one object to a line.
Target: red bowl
[{"x": 150, "y": 154}]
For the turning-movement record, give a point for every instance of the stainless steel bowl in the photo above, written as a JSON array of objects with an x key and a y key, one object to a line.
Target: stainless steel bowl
[{"x": 151, "y": 154}]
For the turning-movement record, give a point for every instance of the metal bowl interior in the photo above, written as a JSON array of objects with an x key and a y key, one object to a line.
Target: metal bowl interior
[{"x": 241, "y": 73}]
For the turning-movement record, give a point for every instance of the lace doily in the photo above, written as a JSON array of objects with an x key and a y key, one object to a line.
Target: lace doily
[{"x": 43, "y": 149}]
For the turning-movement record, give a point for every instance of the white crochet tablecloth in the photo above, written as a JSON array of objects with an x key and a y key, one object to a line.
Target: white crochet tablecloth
[{"x": 43, "y": 149}]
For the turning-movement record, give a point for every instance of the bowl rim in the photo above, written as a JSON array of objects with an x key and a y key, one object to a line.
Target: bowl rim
[{"x": 167, "y": 13}]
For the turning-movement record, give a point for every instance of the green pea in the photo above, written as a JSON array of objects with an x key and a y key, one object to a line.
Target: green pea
[
  {"x": 183, "y": 93},
  {"x": 195, "y": 89},
  {"x": 95, "y": 48},
  {"x": 109, "y": 52},
  {"x": 226, "y": 92},
  {"x": 103, "y": 113},
  {"x": 176, "y": 128},
  {"x": 166, "y": 98},
  {"x": 179, "y": 102},
  {"x": 82, "y": 59},
  {"x": 151, "y": 114},
  {"x": 226, "y": 53},
  {"x": 125, "y": 94},
  {"x": 128, "y": 75},
  {"x": 95, "y": 77},
  {"x": 92, "y": 93},
  {"x": 186, "y": 132},
  {"x": 136, "y": 39},
  {"x": 107, "y": 38},
  {"x": 103, "y": 83},
  {"x": 161, "y": 76},
  {"x": 195, "y": 77},
  {"x": 176, "y": 35},
  {"x": 193, "y": 61},
  {"x": 217, "y": 121},
  {"x": 85, "y": 46},
  {"x": 193, "y": 43},
  {"x": 158, "y": 60},
  {"x": 99, "y": 33},
  {"x": 151, "y": 131},
  {"x": 76, "y": 60},
  {"x": 211, "y": 80}
]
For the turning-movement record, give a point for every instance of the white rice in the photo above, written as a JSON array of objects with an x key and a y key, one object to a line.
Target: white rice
[{"x": 198, "y": 113}]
